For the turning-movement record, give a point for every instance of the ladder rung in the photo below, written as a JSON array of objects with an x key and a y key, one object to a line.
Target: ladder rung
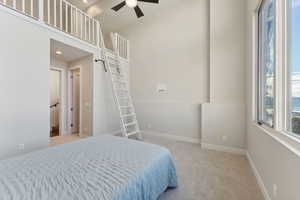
[
  {"x": 129, "y": 115},
  {"x": 125, "y": 106},
  {"x": 114, "y": 60},
  {"x": 122, "y": 89},
  {"x": 123, "y": 97},
  {"x": 130, "y": 124},
  {"x": 114, "y": 65},
  {"x": 119, "y": 81},
  {"x": 132, "y": 133},
  {"x": 115, "y": 73}
]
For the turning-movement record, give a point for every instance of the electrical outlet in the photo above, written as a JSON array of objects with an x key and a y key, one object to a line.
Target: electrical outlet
[
  {"x": 21, "y": 147},
  {"x": 275, "y": 190}
]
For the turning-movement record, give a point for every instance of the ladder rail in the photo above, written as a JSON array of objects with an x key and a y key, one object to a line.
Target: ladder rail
[
  {"x": 115, "y": 46},
  {"x": 132, "y": 113},
  {"x": 133, "y": 110},
  {"x": 106, "y": 62},
  {"x": 130, "y": 104}
]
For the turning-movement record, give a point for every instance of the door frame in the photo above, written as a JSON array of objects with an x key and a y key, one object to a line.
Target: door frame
[
  {"x": 62, "y": 87},
  {"x": 70, "y": 97}
]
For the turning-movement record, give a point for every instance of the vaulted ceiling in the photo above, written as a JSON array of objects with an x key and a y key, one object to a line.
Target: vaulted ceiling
[{"x": 113, "y": 21}]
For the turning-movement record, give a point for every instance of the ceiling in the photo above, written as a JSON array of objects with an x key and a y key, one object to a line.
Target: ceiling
[
  {"x": 80, "y": 4},
  {"x": 112, "y": 21},
  {"x": 69, "y": 53}
]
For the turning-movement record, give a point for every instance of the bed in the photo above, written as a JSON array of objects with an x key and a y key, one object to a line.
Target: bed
[{"x": 102, "y": 168}]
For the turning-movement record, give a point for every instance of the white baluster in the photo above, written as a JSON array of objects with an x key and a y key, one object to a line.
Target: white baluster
[
  {"x": 85, "y": 26},
  {"x": 71, "y": 31},
  {"x": 81, "y": 20},
  {"x": 41, "y": 10},
  {"x": 90, "y": 28},
  {"x": 23, "y": 6},
  {"x": 98, "y": 34},
  {"x": 31, "y": 8},
  {"x": 76, "y": 23},
  {"x": 60, "y": 15},
  {"x": 54, "y": 8},
  {"x": 93, "y": 31},
  {"x": 67, "y": 17},
  {"x": 49, "y": 10}
]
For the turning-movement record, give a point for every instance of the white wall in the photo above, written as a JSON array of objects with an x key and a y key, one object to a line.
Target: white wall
[
  {"x": 24, "y": 78},
  {"x": 223, "y": 119},
  {"x": 275, "y": 163},
  {"x": 170, "y": 47}
]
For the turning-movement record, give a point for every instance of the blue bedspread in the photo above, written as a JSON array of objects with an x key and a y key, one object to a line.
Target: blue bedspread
[{"x": 102, "y": 168}]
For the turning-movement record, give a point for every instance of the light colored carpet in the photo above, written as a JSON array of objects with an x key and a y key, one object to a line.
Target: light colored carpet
[{"x": 209, "y": 175}]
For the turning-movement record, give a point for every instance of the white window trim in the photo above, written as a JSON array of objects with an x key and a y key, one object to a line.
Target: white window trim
[
  {"x": 284, "y": 67},
  {"x": 258, "y": 68},
  {"x": 278, "y": 132}
]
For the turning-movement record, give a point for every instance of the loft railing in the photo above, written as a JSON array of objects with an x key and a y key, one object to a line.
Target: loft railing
[
  {"x": 27, "y": 7},
  {"x": 120, "y": 45},
  {"x": 65, "y": 17},
  {"x": 60, "y": 14},
  {"x": 68, "y": 18}
]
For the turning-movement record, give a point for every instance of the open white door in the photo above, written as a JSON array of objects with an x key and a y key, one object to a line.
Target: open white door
[{"x": 75, "y": 102}]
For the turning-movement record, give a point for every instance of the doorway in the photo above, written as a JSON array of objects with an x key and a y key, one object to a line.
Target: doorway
[
  {"x": 74, "y": 109},
  {"x": 55, "y": 102},
  {"x": 75, "y": 100}
]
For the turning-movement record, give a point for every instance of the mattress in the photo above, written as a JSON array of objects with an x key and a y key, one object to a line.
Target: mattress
[{"x": 102, "y": 168}]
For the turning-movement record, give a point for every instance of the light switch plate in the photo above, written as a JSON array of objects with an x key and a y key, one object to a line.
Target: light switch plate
[{"x": 161, "y": 88}]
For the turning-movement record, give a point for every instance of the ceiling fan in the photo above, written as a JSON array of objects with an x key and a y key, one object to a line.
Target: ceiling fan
[{"x": 133, "y": 4}]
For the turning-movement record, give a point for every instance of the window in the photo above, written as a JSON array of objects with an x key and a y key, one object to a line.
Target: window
[
  {"x": 293, "y": 40},
  {"x": 266, "y": 63}
]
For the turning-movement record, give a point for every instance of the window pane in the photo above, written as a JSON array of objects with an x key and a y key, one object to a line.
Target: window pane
[
  {"x": 266, "y": 63},
  {"x": 294, "y": 66}
]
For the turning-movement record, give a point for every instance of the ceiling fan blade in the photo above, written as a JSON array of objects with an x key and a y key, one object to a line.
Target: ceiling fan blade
[
  {"x": 119, "y": 6},
  {"x": 139, "y": 13},
  {"x": 149, "y": 1}
]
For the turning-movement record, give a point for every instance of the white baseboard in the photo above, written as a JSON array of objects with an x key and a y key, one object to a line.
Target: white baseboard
[
  {"x": 172, "y": 137},
  {"x": 115, "y": 133},
  {"x": 258, "y": 178},
  {"x": 223, "y": 148}
]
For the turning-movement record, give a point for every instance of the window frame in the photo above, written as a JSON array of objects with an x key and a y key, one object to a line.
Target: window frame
[
  {"x": 279, "y": 130},
  {"x": 287, "y": 72},
  {"x": 259, "y": 70}
]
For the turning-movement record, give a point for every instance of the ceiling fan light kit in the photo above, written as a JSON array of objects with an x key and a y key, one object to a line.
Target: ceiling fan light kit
[{"x": 133, "y": 4}]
